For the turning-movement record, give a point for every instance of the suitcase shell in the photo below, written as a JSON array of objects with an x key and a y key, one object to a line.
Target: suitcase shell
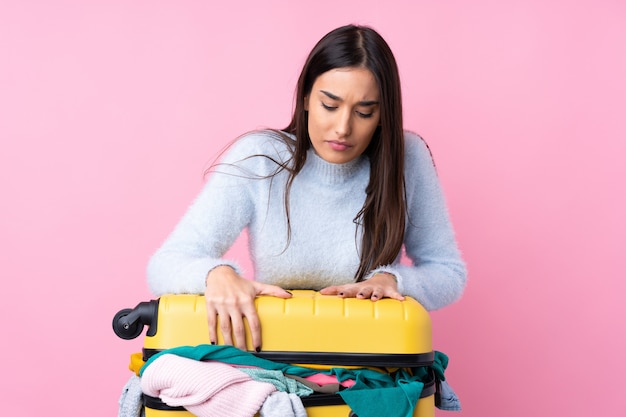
[{"x": 307, "y": 329}]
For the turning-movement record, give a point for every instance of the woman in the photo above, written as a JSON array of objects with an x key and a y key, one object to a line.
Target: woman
[{"x": 329, "y": 202}]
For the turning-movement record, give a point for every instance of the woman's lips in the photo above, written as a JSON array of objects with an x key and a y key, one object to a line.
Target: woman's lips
[{"x": 338, "y": 146}]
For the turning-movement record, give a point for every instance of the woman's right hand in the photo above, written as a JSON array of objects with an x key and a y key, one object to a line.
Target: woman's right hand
[{"x": 231, "y": 298}]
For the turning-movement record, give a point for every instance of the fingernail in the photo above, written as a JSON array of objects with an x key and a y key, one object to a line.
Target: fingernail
[
  {"x": 289, "y": 292},
  {"x": 212, "y": 342},
  {"x": 341, "y": 293},
  {"x": 257, "y": 349}
]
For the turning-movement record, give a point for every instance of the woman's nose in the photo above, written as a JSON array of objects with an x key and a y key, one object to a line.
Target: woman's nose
[{"x": 343, "y": 124}]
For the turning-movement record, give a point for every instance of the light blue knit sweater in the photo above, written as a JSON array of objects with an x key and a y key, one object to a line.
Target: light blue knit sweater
[{"x": 323, "y": 250}]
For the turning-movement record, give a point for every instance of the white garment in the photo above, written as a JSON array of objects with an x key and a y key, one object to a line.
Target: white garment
[
  {"x": 281, "y": 404},
  {"x": 130, "y": 404}
]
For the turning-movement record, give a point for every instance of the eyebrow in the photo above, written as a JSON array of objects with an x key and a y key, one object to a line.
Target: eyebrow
[{"x": 337, "y": 98}]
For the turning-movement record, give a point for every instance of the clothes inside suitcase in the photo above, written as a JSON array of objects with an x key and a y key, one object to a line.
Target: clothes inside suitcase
[{"x": 307, "y": 329}]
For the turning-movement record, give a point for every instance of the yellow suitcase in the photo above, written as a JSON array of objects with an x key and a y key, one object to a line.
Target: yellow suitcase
[{"x": 307, "y": 329}]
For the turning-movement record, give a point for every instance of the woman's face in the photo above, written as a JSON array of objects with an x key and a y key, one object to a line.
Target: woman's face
[{"x": 344, "y": 112}]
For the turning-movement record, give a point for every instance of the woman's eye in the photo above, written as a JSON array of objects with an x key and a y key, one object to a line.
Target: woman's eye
[{"x": 358, "y": 113}]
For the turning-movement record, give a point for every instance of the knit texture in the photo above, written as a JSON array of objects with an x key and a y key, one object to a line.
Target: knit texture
[
  {"x": 282, "y": 404},
  {"x": 130, "y": 404},
  {"x": 373, "y": 394},
  {"x": 206, "y": 389},
  {"x": 324, "y": 246},
  {"x": 278, "y": 379}
]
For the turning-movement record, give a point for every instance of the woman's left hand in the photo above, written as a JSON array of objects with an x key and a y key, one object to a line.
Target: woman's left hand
[{"x": 375, "y": 288}]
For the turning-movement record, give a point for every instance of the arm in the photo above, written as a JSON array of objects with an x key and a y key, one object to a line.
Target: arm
[
  {"x": 225, "y": 206},
  {"x": 206, "y": 231},
  {"x": 190, "y": 260},
  {"x": 437, "y": 274}
]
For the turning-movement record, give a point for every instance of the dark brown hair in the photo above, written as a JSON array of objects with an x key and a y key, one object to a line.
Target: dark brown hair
[{"x": 383, "y": 214}]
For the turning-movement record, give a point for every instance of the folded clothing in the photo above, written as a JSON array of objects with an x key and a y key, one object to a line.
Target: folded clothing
[
  {"x": 283, "y": 404},
  {"x": 373, "y": 394},
  {"x": 130, "y": 404},
  {"x": 278, "y": 379},
  {"x": 205, "y": 389},
  {"x": 325, "y": 379}
]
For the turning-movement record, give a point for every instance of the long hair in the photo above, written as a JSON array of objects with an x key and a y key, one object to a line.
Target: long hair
[{"x": 383, "y": 215}]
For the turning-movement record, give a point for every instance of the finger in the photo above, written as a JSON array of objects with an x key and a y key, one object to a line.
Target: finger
[
  {"x": 395, "y": 295},
  {"x": 225, "y": 328},
  {"x": 332, "y": 290},
  {"x": 212, "y": 323},
  {"x": 365, "y": 292},
  {"x": 273, "y": 290},
  {"x": 339, "y": 290},
  {"x": 254, "y": 324},
  {"x": 238, "y": 331},
  {"x": 349, "y": 291},
  {"x": 381, "y": 292},
  {"x": 376, "y": 295}
]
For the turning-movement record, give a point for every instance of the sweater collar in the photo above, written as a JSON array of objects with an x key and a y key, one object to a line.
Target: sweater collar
[{"x": 329, "y": 173}]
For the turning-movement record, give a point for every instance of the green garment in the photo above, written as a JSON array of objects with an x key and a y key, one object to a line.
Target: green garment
[
  {"x": 379, "y": 394},
  {"x": 279, "y": 380},
  {"x": 439, "y": 365},
  {"x": 231, "y": 355},
  {"x": 374, "y": 393}
]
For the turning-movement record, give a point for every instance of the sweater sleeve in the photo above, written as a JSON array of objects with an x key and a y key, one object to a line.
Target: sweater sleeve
[
  {"x": 437, "y": 274},
  {"x": 209, "y": 227}
]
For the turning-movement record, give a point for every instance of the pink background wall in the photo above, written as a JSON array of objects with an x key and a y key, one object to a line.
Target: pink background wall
[{"x": 110, "y": 111}]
